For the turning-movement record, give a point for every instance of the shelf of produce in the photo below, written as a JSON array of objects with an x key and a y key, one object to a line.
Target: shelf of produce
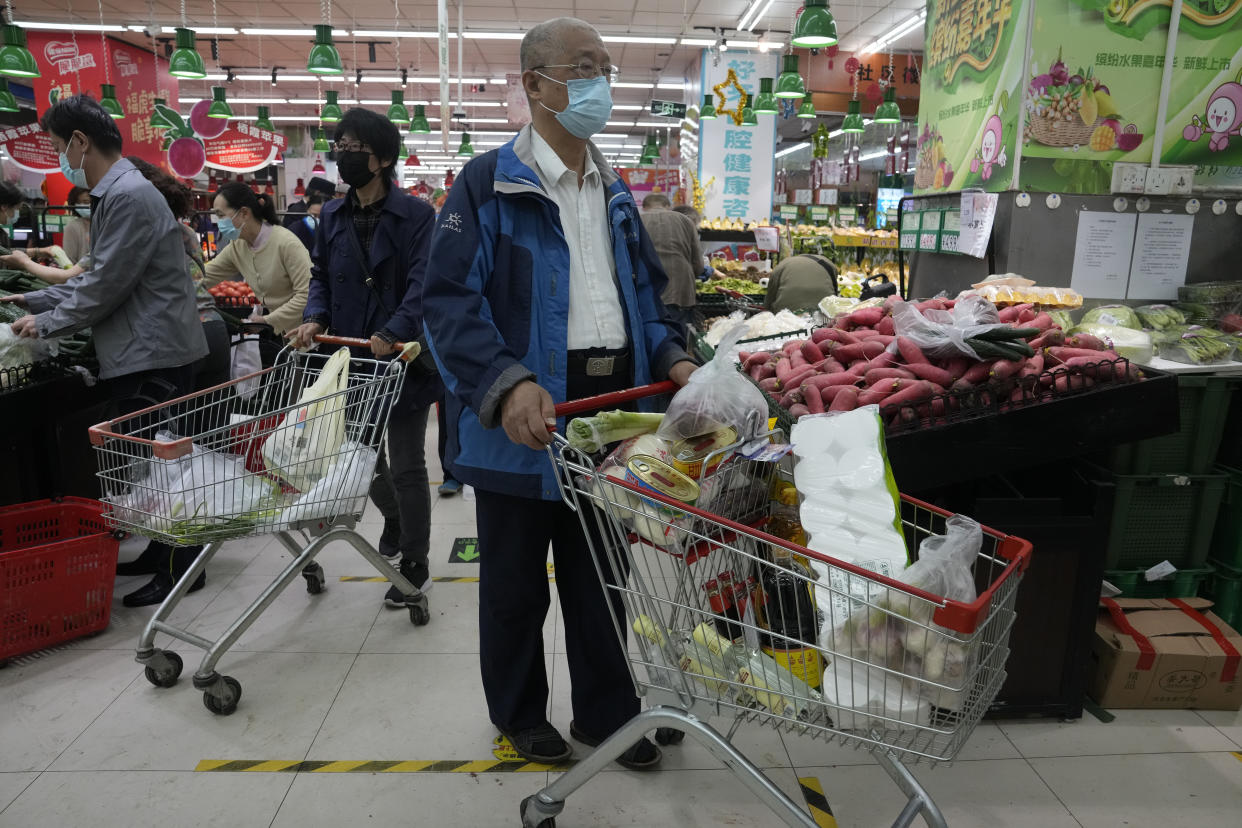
[
  {"x": 1224, "y": 369},
  {"x": 1020, "y": 438}
]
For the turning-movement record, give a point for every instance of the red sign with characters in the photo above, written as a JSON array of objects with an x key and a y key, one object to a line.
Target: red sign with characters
[
  {"x": 30, "y": 148},
  {"x": 243, "y": 147}
]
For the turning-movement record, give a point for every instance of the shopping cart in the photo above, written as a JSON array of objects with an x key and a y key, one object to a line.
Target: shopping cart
[
  {"x": 738, "y": 301},
  {"x": 192, "y": 471},
  {"x": 725, "y": 619}
]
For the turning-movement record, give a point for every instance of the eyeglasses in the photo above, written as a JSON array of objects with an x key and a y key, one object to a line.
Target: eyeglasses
[
  {"x": 587, "y": 69},
  {"x": 351, "y": 146}
]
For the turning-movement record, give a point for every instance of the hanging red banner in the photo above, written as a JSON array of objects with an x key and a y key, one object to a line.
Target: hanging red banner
[
  {"x": 30, "y": 148},
  {"x": 243, "y": 147}
]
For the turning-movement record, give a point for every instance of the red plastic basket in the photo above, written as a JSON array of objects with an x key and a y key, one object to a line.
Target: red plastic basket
[{"x": 57, "y": 567}]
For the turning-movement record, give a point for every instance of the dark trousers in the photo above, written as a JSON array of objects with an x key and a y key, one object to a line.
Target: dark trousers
[
  {"x": 400, "y": 489},
  {"x": 134, "y": 392},
  {"x": 442, "y": 438},
  {"x": 514, "y": 534}
]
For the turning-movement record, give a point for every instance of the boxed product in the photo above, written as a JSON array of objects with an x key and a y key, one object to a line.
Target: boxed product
[{"x": 1166, "y": 653}]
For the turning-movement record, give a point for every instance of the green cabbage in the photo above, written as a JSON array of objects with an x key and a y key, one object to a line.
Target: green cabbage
[
  {"x": 1135, "y": 346},
  {"x": 1116, "y": 315}
]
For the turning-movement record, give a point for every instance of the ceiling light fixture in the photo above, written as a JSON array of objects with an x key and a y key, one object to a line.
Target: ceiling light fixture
[
  {"x": 264, "y": 121},
  {"x": 896, "y": 33},
  {"x": 186, "y": 63},
  {"x": 273, "y": 76},
  {"x": 792, "y": 149},
  {"x": 397, "y": 113},
  {"x": 219, "y": 105},
  {"x": 790, "y": 83},
  {"x": 37, "y": 26},
  {"x": 816, "y": 27},
  {"x": 324, "y": 59},
  {"x": 708, "y": 110},
  {"x": 753, "y": 14},
  {"x": 766, "y": 104},
  {"x": 807, "y": 109},
  {"x": 331, "y": 111},
  {"x": 8, "y": 102}
]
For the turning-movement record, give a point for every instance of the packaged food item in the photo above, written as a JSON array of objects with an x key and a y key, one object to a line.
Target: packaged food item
[
  {"x": 657, "y": 476},
  {"x": 689, "y": 455},
  {"x": 789, "y": 614}
]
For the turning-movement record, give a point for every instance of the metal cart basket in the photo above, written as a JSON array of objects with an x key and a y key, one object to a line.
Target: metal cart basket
[
  {"x": 722, "y": 618},
  {"x": 211, "y": 467}
]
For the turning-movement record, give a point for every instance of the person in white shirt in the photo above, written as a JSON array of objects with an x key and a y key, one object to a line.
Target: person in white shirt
[{"x": 543, "y": 286}]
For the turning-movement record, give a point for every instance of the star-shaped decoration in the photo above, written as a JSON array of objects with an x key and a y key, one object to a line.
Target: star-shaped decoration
[{"x": 719, "y": 89}]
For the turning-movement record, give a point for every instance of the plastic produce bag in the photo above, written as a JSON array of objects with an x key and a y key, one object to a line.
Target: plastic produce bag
[
  {"x": 303, "y": 447},
  {"x": 717, "y": 396},
  {"x": 342, "y": 491},
  {"x": 1135, "y": 346},
  {"x": 214, "y": 488},
  {"x": 1160, "y": 317},
  {"x": 943, "y": 334},
  {"x": 1121, "y": 316}
]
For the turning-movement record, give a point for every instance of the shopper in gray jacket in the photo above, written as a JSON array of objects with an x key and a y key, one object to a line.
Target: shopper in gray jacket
[{"x": 135, "y": 296}]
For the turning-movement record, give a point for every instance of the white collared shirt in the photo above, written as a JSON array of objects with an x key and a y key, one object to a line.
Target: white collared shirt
[{"x": 595, "y": 316}]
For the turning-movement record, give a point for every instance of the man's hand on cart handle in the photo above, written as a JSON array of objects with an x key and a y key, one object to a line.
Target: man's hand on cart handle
[
  {"x": 380, "y": 346},
  {"x": 527, "y": 413},
  {"x": 681, "y": 371},
  {"x": 27, "y": 327},
  {"x": 303, "y": 336}
]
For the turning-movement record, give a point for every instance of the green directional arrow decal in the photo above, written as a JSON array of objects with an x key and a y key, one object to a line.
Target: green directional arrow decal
[{"x": 465, "y": 550}]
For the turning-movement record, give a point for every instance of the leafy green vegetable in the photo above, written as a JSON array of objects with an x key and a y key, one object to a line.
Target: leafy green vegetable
[
  {"x": 1120, "y": 316},
  {"x": 590, "y": 434}
]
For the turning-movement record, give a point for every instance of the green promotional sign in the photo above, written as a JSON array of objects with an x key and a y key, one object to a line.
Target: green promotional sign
[{"x": 970, "y": 105}]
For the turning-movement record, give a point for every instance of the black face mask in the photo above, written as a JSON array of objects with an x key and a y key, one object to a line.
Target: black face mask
[{"x": 354, "y": 168}]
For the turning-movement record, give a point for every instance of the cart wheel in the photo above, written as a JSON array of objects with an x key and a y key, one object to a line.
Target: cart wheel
[
  {"x": 528, "y": 820},
  {"x": 315, "y": 579},
  {"x": 420, "y": 616},
  {"x": 223, "y": 697},
  {"x": 164, "y": 668},
  {"x": 669, "y": 736}
]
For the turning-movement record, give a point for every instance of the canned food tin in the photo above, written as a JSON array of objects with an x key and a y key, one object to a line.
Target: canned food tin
[
  {"x": 689, "y": 455},
  {"x": 649, "y": 473}
]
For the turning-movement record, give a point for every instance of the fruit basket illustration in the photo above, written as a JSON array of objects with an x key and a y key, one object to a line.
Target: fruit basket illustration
[{"x": 1072, "y": 110}]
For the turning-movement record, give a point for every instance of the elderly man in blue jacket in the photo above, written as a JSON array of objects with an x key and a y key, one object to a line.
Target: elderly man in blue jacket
[
  {"x": 543, "y": 286},
  {"x": 367, "y": 272}
]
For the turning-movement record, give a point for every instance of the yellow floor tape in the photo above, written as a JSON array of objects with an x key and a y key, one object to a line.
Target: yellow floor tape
[
  {"x": 1238, "y": 755},
  {"x": 816, "y": 802},
  {"x": 372, "y": 766}
]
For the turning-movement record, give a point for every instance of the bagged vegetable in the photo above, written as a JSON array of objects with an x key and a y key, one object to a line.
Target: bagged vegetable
[
  {"x": 973, "y": 328},
  {"x": 1203, "y": 346},
  {"x": 305, "y": 444},
  {"x": 1160, "y": 317},
  {"x": 716, "y": 397},
  {"x": 1134, "y": 345},
  {"x": 1062, "y": 318},
  {"x": 342, "y": 491},
  {"x": 1120, "y": 316},
  {"x": 591, "y": 434}
]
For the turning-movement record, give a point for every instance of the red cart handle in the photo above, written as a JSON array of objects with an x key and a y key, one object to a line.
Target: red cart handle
[
  {"x": 352, "y": 342},
  {"x": 733, "y": 294},
  {"x": 567, "y": 409}
]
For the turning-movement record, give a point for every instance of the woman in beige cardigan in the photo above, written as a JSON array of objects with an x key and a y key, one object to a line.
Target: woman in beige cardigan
[{"x": 271, "y": 259}]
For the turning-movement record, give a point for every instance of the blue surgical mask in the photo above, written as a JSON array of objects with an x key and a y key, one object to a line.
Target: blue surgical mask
[
  {"x": 76, "y": 177},
  {"x": 83, "y": 210},
  {"x": 227, "y": 230},
  {"x": 590, "y": 106}
]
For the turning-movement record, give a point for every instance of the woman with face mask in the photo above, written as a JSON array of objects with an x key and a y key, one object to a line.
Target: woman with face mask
[
  {"x": 11, "y": 200},
  {"x": 269, "y": 257}
]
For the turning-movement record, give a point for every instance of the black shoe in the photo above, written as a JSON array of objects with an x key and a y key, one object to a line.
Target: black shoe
[
  {"x": 389, "y": 539},
  {"x": 157, "y": 589},
  {"x": 418, "y": 575},
  {"x": 641, "y": 756},
  {"x": 145, "y": 564},
  {"x": 542, "y": 743}
]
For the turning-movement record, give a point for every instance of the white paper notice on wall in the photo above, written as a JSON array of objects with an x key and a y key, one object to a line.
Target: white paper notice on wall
[
  {"x": 1102, "y": 254},
  {"x": 1161, "y": 253},
  {"x": 767, "y": 239},
  {"x": 978, "y": 214}
]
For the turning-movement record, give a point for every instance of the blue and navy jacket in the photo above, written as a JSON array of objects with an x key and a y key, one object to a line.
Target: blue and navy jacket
[
  {"x": 339, "y": 297},
  {"x": 496, "y": 305}
]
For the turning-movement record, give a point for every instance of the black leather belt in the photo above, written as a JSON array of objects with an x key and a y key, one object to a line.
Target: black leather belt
[{"x": 599, "y": 362}]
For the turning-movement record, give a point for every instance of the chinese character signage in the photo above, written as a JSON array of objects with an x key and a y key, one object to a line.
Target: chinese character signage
[
  {"x": 30, "y": 148},
  {"x": 72, "y": 65},
  {"x": 971, "y": 95},
  {"x": 740, "y": 158},
  {"x": 243, "y": 147},
  {"x": 645, "y": 181}
]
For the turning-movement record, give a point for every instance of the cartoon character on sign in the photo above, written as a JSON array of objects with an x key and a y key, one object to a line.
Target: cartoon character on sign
[
  {"x": 991, "y": 148},
  {"x": 1222, "y": 119}
]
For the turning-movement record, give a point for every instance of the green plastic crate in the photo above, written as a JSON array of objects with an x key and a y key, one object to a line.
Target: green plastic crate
[
  {"x": 1203, "y": 409},
  {"x": 1163, "y": 517},
  {"x": 1185, "y": 583},
  {"x": 1227, "y": 541},
  {"x": 1225, "y": 590}
]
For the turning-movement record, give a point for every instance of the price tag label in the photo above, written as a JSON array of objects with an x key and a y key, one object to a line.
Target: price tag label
[
  {"x": 910, "y": 221},
  {"x": 952, "y": 220},
  {"x": 789, "y": 211},
  {"x": 819, "y": 214},
  {"x": 768, "y": 239},
  {"x": 909, "y": 241},
  {"x": 932, "y": 219},
  {"x": 847, "y": 215},
  {"x": 929, "y": 241},
  {"x": 948, "y": 242}
]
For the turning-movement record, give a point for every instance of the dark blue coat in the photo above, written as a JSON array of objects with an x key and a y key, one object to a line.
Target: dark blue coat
[{"x": 339, "y": 296}]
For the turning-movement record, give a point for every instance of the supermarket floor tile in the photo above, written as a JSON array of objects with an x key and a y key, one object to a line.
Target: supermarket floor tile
[
  {"x": 1228, "y": 722},
  {"x": 1133, "y": 731},
  {"x": 1201, "y": 790},
  {"x": 285, "y": 697},
  {"x": 148, "y": 798},
  {"x": 12, "y": 784}
]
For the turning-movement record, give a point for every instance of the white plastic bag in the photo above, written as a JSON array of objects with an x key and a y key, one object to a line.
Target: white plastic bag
[
  {"x": 246, "y": 360},
  {"x": 343, "y": 490},
  {"x": 944, "y": 333},
  {"x": 716, "y": 397},
  {"x": 304, "y": 446},
  {"x": 216, "y": 487}
]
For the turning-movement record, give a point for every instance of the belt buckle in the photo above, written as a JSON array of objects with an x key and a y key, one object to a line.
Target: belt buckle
[{"x": 599, "y": 366}]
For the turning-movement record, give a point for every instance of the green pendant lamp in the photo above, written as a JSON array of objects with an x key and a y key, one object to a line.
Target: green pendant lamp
[
  {"x": 789, "y": 84},
  {"x": 466, "y": 150},
  {"x": 219, "y": 106},
  {"x": 8, "y": 103},
  {"x": 816, "y": 27},
  {"x": 419, "y": 125},
  {"x": 397, "y": 113},
  {"x": 404, "y": 153},
  {"x": 766, "y": 103},
  {"x": 264, "y": 121},
  {"x": 748, "y": 113},
  {"x": 109, "y": 102},
  {"x": 186, "y": 63},
  {"x": 15, "y": 59},
  {"x": 853, "y": 122},
  {"x": 708, "y": 111},
  {"x": 157, "y": 120},
  {"x": 321, "y": 142},
  {"x": 888, "y": 112},
  {"x": 807, "y": 109},
  {"x": 651, "y": 148},
  {"x": 324, "y": 59},
  {"x": 331, "y": 111}
]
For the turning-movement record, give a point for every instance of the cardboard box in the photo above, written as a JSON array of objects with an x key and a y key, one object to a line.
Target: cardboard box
[{"x": 1165, "y": 653}]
